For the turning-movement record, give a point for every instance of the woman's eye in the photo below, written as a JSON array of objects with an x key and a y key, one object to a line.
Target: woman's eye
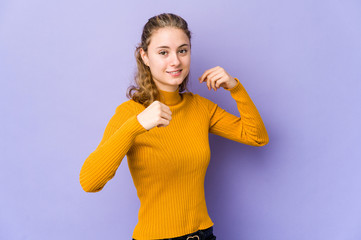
[
  {"x": 183, "y": 50},
  {"x": 163, "y": 53}
]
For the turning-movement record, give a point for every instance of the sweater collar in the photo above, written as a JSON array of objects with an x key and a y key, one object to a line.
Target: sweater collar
[{"x": 170, "y": 98}]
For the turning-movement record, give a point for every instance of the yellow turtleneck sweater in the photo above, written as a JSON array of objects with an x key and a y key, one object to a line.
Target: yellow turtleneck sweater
[{"x": 168, "y": 164}]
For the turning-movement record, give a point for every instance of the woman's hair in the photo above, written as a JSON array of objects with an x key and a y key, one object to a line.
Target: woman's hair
[{"x": 145, "y": 91}]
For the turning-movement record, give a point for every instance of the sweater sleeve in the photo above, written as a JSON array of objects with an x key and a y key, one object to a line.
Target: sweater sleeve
[
  {"x": 248, "y": 128},
  {"x": 101, "y": 165}
]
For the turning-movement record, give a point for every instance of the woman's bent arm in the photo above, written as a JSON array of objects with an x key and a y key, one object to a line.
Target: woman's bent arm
[
  {"x": 248, "y": 128},
  {"x": 101, "y": 165}
]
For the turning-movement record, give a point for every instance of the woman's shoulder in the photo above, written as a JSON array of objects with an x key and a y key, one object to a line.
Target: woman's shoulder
[
  {"x": 202, "y": 101},
  {"x": 196, "y": 96},
  {"x": 135, "y": 107},
  {"x": 129, "y": 106}
]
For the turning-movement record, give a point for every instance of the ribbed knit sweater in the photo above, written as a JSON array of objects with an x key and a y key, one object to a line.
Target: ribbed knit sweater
[{"x": 168, "y": 164}]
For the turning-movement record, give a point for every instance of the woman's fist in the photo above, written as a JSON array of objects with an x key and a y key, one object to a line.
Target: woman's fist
[{"x": 156, "y": 114}]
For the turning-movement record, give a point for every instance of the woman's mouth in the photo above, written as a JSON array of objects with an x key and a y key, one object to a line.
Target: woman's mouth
[{"x": 175, "y": 73}]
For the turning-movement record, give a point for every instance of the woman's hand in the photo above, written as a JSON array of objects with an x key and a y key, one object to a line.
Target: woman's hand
[
  {"x": 217, "y": 77},
  {"x": 156, "y": 114}
]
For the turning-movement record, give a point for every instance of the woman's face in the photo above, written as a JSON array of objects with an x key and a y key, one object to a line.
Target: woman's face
[{"x": 168, "y": 58}]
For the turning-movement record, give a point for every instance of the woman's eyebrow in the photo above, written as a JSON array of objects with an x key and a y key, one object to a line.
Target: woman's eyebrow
[{"x": 183, "y": 45}]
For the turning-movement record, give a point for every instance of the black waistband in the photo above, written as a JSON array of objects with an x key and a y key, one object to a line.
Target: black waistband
[{"x": 202, "y": 234}]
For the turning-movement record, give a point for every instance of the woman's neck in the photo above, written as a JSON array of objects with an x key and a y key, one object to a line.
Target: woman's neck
[{"x": 170, "y": 98}]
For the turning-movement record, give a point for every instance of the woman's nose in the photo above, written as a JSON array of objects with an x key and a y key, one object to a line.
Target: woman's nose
[{"x": 174, "y": 60}]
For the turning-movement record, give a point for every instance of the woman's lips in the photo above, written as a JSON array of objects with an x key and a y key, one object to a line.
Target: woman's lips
[{"x": 175, "y": 73}]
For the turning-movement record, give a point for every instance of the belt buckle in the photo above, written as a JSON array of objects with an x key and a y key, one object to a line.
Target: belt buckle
[{"x": 193, "y": 237}]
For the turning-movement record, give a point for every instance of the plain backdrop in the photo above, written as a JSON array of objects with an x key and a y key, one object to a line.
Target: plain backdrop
[{"x": 65, "y": 67}]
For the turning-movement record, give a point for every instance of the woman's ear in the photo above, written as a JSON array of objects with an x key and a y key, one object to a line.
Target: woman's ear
[{"x": 144, "y": 56}]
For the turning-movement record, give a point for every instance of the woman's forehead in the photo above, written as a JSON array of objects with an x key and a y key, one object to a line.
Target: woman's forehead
[{"x": 168, "y": 37}]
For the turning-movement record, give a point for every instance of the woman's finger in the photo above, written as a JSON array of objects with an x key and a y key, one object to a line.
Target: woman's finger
[
  {"x": 216, "y": 79},
  {"x": 166, "y": 109},
  {"x": 204, "y": 75},
  {"x": 213, "y": 77}
]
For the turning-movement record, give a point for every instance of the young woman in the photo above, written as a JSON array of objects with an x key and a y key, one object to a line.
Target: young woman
[{"x": 164, "y": 130}]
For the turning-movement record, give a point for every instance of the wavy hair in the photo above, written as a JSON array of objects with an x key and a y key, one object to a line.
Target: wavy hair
[{"x": 145, "y": 91}]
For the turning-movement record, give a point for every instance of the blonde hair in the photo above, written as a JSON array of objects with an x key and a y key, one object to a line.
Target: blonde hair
[{"x": 145, "y": 91}]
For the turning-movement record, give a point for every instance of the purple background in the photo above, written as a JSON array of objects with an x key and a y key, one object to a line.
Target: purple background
[{"x": 65, "y": 67}]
